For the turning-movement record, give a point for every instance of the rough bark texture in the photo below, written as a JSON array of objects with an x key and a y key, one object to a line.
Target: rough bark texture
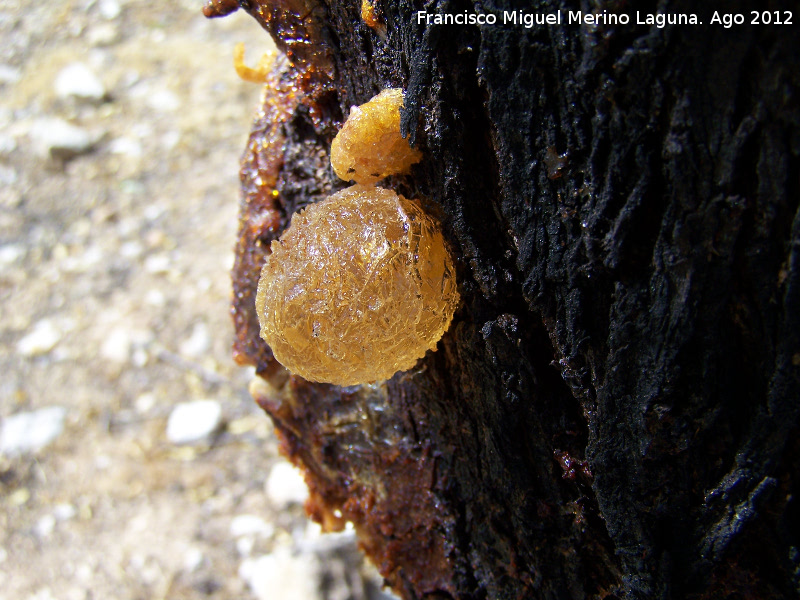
[{"x": 614, "y": 411}]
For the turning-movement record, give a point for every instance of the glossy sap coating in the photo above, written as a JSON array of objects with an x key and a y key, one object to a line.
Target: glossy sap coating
[{"x": 357, "y": 288}]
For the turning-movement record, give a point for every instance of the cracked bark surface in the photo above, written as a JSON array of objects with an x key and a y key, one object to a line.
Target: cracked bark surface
[{"x": 614, "y": 411}]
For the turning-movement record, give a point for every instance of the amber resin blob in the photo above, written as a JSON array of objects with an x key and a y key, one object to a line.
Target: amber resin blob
[
  {"x": 369, "y": 146},
  {"x": 357, "y": 288}
]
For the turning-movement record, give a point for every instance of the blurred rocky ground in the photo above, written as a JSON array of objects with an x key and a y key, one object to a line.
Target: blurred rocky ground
[{"x": 133, "y": 463}]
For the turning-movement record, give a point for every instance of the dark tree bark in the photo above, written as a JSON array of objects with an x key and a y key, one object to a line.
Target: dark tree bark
[{"x": 614, "y": 411}]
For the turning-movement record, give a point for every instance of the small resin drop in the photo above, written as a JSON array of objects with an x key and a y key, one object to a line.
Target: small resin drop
[
  {"x": 357, "y": 288},
  {"x": 369, "y": 146},
  {"x": 371, "y": 19}
]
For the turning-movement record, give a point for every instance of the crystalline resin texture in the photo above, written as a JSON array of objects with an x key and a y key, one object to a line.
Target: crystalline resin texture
[
  {"x": 357, "y": 288},
  {"x": 369, "y": 146}
]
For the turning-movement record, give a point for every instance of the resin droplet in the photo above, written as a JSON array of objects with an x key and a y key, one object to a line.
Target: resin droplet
[
  {"x": 357, "y": 288},
  {"x": 369, "y": 146},
  {"x": 369, "y": 15}
]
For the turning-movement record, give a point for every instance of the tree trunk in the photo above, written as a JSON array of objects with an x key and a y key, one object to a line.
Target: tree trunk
[{"x": 613, "y": 412}]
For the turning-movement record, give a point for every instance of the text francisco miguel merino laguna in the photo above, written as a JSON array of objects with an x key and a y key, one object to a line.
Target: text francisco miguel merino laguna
[{"x": 571, "y": 17}]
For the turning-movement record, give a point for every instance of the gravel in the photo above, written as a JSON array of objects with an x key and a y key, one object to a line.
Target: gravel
[
  {"x": 117, "y": 218},
  {"x": 196, "y": 421},
  {"x": 286, "y": 486},
  {"x": 250, "y": 525},
  {"x": 281, "y": 575},
  {"x": 53, "y": 137},
  {"x": 79, "y": 81},
  {"x": 9, "y": 74},
  {"x": 42, "y": 338},
  {"x": 31, "y": 431}
]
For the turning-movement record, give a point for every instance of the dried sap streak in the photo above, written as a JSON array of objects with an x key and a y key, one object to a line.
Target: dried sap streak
[
  {"x": 358, "y": 288},
  {"x": 369, "y": 146}
]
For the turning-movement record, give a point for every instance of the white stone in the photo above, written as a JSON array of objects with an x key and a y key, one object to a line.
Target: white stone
[
  {"x": 281, "y": 575},
  {"x": 41, "y": 339},
  {"x": 56, "y": 138},
  {"x": 198, "y": 342},
  {"x": 85, "y": 573},
  {"x": 155, "y": 297},
  {"x": 126, "y": 146},
  {"x": 163, "y": 101},
  {"x": 64, "y": 512},
  {"x": 9, "y": 74},
  {"x": 139, "y": 357},
  {"x": 110, "y": 9},
  {"x": 122, "y": 344},
  {"x": 45, "y": 526},
  {"x": 76, "y": 80},
  {"x": 285, "y": 486},
  {"x": 144, "y": 402},
  {"x": 117, "y": 345},
  {"x": 10, "y": 253},
  {"x": 103, "y": 34},
  {"x": 193, "y": 421},
  {"x": 131, "y": 249},
  {"x": 157, "y": 263},
  {"x": 192, "y": 560},
  {"x": 250, "y": 525},
  {"x": 31, "y": 431},
  {"x": 245, "y": 544},
  {"x": 153, "y": 211}
]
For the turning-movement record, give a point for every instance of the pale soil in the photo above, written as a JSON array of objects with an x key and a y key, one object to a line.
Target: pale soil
[{"x": 133, "y": 247}]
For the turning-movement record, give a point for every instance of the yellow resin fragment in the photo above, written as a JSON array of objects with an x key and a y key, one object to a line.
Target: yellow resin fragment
[
  {"x": 255, "y": 75},
  {"x": 370, "y": 17},
  {"x": 369, "y": 146},
  {"x": 359, "y": 287}
]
